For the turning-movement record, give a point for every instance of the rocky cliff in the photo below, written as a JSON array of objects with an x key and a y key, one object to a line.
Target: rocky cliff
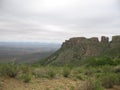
[{"x": 79, "y": 48}]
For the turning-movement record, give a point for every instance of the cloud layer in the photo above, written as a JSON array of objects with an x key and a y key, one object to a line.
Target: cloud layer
[{"x": 57, "y": 20}]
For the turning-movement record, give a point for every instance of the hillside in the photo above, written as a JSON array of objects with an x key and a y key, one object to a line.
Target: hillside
[
  {"x": 80, "y": 64},
  {"x": 77, "y": 49}
]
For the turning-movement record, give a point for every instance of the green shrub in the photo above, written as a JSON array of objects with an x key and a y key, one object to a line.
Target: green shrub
[
  {"x": 40, "y": 73},
  {"x": 51, "y": 73},
  {"x": 96, "y": 85},
  {"x": 109, "y": 80},
  {"x": 66, "y": 71},
  {"x": 101, "y": 61},
  {"x": 44, "y": 72},
  {"x": 91, "y": 84},
  {"x": 24, "y": 68},
  {"x": 117, "y": 61},
  {"x": 80, "y": 76},
  {"x": 117, "y": 69},
  {"x": 88, "y": 72},
  {"x": 91, "y": 71},
  {"x": 78, "y": 70},
  {"x": 9, "y": 70},
  {"x": 72, "y": 88},
  {"x": 107, "y": 69},
  {"x": 26, "y": 78}
]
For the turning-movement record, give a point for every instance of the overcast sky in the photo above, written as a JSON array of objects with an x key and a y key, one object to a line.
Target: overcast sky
[{"x": 57, "y": 20}]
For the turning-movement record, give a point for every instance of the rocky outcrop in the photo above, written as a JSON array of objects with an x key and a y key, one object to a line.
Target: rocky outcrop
[
  {"x": 116, "y": 39},
  {"x": 115, "y": 46},
  {"x": 72, "y": 42},
  {"x": 78, "y": 48},
  {"x": 104, "y": 39},
  {"x": 82, "y": 40}
]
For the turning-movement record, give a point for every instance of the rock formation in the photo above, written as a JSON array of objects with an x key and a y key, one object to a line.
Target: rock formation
[
  {"x": 78, "y": 48},
  {"x": 104, "y": 39}
]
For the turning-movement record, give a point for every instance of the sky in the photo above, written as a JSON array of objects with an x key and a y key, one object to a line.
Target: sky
[{"x": 57, "y": 20}]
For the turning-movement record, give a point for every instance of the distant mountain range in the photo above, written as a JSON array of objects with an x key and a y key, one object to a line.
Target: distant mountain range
[
  {"x": 76, "y": 49},
  {"x": 26, "y": 52}
]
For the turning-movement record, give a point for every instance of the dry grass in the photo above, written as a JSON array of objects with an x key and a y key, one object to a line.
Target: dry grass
[
  {"x": 45, "y": 84},
  {"x": 40, "y": 84}
]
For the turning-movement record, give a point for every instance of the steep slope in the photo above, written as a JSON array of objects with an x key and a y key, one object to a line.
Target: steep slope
[{"x": 77, "y": 49}]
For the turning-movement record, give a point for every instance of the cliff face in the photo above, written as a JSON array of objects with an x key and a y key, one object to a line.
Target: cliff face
[
  {"x": 87, "y": 47},
  {"x": 75, "y": 49},
  {"x": 82, "y": 40}
]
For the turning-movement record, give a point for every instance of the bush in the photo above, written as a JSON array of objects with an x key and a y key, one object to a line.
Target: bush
[
  {"x": 51, "y": 73},
  {"x": 24, "y": 68},
  {"x": 44, "y": 72},
  {"x": 80, "y": 76},
  {"x": 66, "y": 72},
  {"x": 109, "y": 80},
  {"x": 117, "y": 61},
  {"x": 40, "y": 73},
  {"x": 9, "y": 70},
  {"x": 101, "y": 61},
  {"x": 118, "y": 79},
  {"x": 117, "y": 69},
  {"x": 91, "y": 84},
  {"x": 107, "y": 69},
  {"x": 26, "y": 78},
  {"x": 78, "y": 70}
]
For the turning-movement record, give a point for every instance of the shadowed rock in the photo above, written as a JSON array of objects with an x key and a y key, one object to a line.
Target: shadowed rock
[{"x": 104, "y": 39}]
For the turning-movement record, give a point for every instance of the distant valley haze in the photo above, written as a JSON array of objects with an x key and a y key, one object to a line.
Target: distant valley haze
[{"x": 26, "y": 52}]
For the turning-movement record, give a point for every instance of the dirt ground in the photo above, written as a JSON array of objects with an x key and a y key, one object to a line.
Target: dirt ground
[
  {"x": 38, "y": 84},
  {"x": 42, "y": 84}
]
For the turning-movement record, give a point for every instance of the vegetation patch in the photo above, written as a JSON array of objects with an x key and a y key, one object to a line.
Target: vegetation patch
[{"x": 9, "y": 70}]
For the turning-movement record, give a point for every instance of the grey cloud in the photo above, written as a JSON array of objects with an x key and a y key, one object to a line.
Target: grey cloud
[{"x": 51, "y": 21}]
